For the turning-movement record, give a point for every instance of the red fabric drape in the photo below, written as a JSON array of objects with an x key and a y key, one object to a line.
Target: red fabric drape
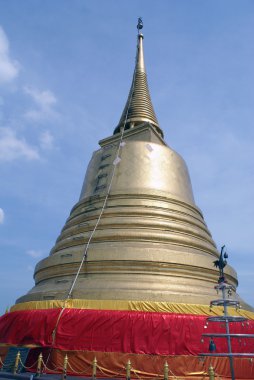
[{"x": 118, "y": 331}]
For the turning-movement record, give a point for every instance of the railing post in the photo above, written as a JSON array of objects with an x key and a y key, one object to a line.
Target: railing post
[
  {"x": 39, "y": 363},
  {"x": 64, "y": 374},
  {"x": 211, "y": 373},
  {"x": 16, "y": 364},
  {"x": 128, "y": 370},
  {"x": 166, "y": 371},
  {"x": 94, "y": 368}
]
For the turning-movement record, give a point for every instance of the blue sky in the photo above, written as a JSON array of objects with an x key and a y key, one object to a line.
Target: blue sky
[{"x": 65, "y": 73}]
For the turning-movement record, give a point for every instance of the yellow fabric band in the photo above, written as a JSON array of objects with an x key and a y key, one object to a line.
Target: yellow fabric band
[{"x": 148, "y": 306}]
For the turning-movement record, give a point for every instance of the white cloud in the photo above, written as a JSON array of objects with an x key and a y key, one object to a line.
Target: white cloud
[
  {"x": 46, "y": 140},
  {"x": 45, "y": 100},
  {"x": 1, "y": 215},
  {"x": 12, "y": 147},
  {"x": 34, "y": 254},
  {"x": 9, "y": 68}
]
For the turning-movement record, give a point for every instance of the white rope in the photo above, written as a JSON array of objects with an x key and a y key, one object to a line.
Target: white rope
[{"x": 115, "y": 162}]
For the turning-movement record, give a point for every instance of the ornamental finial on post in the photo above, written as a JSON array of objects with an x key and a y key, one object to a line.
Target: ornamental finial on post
[{"x": 221, "y": 263}]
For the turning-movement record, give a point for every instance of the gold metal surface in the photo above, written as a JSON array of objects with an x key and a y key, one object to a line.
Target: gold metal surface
[
  {"x": 152, "y": 243},
  {"x": 166, "y": 371},
  {"x": 16, "y": 363},
  {"x": 39, "y": 365}
]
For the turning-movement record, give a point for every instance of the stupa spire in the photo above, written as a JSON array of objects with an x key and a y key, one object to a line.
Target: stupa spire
[{"x": 139, "y": 108}]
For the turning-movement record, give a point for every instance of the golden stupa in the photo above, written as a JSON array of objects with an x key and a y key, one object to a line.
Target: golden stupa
[
  {"x": 151, "y": 241},
  {"x": 132, "y": 273}
]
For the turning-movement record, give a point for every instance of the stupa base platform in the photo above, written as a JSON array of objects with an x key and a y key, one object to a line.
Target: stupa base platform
[{"x": 146, "y": 333}]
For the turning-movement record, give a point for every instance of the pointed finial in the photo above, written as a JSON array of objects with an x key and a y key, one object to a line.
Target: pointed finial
[
  {"x": 140, "y": 24},
  {"x": 138, "y": 108}
]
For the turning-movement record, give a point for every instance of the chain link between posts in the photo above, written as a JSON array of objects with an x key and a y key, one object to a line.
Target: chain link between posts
[
  {"x": 26, "y": 367},
  {"x": 78, "y": 372},
  {"x": 154, "y": 376},
  {"x": 56, "y": 370},
  {"x": 102, "y": 370}
]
